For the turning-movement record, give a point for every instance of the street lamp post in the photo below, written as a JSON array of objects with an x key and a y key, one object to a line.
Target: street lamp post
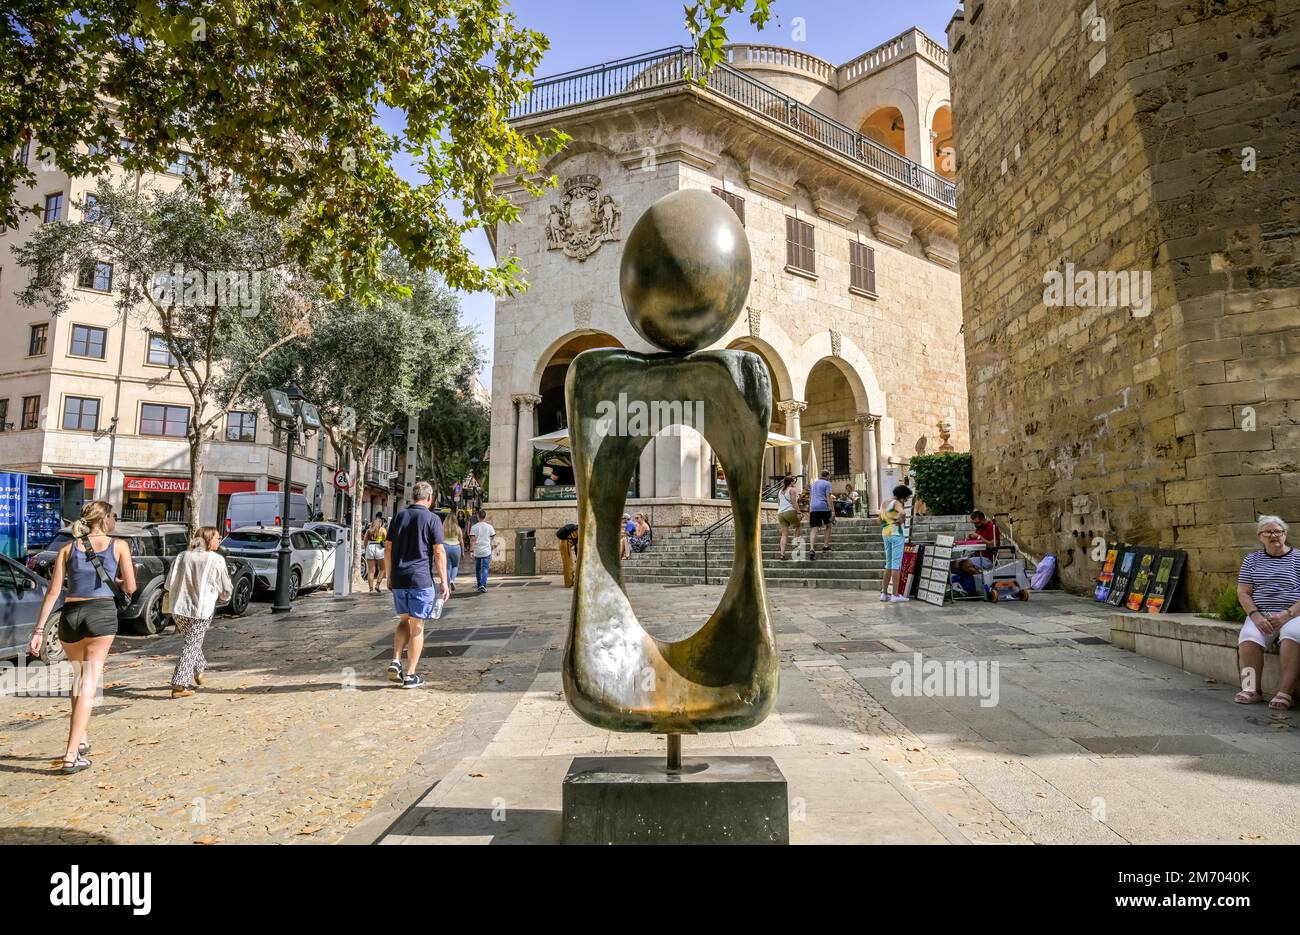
[{"x": 288, "y": 409}]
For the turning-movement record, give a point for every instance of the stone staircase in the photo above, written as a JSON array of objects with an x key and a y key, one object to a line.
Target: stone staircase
[{"x": 856, "y": 560}]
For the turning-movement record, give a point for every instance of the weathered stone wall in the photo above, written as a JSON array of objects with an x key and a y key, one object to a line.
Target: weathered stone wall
[{"x": 1132, "y": 136}]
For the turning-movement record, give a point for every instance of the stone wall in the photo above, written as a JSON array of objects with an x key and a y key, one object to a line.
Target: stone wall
[{"x": 1142, "y": 137}]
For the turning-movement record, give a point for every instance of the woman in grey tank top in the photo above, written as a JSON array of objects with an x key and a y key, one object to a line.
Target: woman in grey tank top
[{"x": 88, "y": 619}]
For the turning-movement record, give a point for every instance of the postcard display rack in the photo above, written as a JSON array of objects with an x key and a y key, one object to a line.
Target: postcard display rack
[{"x": 933, "y": 581}]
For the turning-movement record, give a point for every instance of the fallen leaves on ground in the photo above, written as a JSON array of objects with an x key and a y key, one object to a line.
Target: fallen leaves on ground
[{"x": 478, "y": 775}]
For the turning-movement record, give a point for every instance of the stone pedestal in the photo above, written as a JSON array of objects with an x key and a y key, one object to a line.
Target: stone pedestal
[{"x": 714, "y": 800}]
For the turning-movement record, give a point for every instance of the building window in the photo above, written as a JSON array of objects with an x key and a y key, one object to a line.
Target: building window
[
  {"x": 241, "y": 427},
  {"x": 54, "y": 207},
  {"x": 735, "y": 201},
  {"x": 80, "y": 413},
  {"x": 160, "y": 353},
  {"x": 835, "y": 453},
  {"x": 127, "y": 146},
  {"x": 800, "y": 251},
  {"x": 164, "y": 420},
  {"x": 25, "y": 152},
  {"x": 862, "y": 267},
  {"x": 92, "y": 213},
  {"x": 88, "y": 342},
  {"x": 4, "y": 415},
  {"x": 31, "y": 411},
  {"x": 96, "y": 275},
  {"x": 36, "y": 341},
  {"x": 181, "y": 164}
]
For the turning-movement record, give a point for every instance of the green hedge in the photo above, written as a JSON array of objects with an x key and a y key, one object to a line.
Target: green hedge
[
  {"x": 943, "y": 481},
  {"x": 1228, "y": 606}
]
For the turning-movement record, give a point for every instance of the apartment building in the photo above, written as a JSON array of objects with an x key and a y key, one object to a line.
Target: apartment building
[{"x": 90, "y": 394}]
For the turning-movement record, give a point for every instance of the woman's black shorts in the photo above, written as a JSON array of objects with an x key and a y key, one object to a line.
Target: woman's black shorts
[{"x": 82, "y": 619}]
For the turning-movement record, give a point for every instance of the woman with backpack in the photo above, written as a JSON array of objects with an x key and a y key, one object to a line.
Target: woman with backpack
[
  {"x": 196, "y": 581},
  {"x": 99, "y": 574}
]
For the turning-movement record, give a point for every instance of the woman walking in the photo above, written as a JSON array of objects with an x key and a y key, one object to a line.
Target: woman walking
[
  {"x": 787, "y": 513},
  {"x": 376, "y": 533},
  {"x": 892, "y": 514},
  {"x": 453, "y": 541},
  {"x": 92, "y": 565},
  {"x": 196, "y": 581}
]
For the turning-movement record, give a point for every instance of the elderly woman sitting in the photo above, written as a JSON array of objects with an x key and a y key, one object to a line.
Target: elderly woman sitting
[{"x": 1269, "y": 590}]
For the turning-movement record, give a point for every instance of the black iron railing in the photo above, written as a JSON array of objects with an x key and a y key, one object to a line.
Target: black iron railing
[
  {"x": 680, "y": 65},
  {"x": 769, "y": 494}
]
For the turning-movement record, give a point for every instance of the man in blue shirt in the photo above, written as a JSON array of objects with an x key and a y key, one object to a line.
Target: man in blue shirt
[
  {"x": 819, "y": 508},
  {"x": 411, "y": 549}
]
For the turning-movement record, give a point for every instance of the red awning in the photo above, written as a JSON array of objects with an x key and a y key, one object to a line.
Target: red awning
[
  {"x": 88, "y": 479},
  {"x": 158, "y": 484},
  {"x": 236, "y": 486},
  {"x": 273, "y": 485}
]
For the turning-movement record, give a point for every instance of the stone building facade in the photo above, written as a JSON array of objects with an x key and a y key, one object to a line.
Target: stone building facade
[
  {"x": 1156, "y": 139},
  {"x": 842, "y": 180}
]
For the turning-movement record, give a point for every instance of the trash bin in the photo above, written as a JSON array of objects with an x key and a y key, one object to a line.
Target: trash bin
[{"x": 525, "y": 551}]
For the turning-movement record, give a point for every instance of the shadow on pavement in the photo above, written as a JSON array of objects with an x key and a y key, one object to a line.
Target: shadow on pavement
[{"x": 50, "y": 836}]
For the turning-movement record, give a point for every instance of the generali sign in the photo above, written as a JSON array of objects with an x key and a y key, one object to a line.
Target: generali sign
[{"x": 165, "y": 484}]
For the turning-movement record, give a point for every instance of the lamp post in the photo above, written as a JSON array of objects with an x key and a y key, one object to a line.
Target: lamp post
[
  {"x": 288, "y": 409},
  {"x": 396, "y": 436}
]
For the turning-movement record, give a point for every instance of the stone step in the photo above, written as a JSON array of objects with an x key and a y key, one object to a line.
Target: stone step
[
  {"x": 847, "y": 584},
  {"x": 773, "y": 562}
]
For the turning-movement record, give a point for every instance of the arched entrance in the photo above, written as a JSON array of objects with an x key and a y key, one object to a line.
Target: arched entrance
[
  {"x": 835, "y": 397},
  {"x": 945, "y": 157},
  {"x": 549, "y": 473},
  {"x": 886, "y": 126}
]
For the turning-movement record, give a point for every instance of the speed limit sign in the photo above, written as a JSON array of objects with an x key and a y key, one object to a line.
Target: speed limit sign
[{"x": 341, "y": 480}]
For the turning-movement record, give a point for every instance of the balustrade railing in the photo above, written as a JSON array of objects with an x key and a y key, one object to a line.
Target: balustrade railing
[{"x": 680, "y": 65}]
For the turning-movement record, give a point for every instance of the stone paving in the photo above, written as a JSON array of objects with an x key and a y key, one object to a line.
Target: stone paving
[
  {"x": 294, "y": 736},
  {"x": 1085, "y": 743}
]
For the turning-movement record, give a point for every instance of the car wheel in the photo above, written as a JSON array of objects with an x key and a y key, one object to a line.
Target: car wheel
[
  {"x": 153, "y": 620},
  {"x": 51, "y": 646},
  {"x": 295, "y": 582},
  {"x": 243, "y": 593}
]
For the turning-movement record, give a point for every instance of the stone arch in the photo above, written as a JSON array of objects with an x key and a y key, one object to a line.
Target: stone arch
[
  {"x": 553, "y": 363},
  {"x": 782, "y": 384},
  {"x": 940, "y": 135},
  {"x": 851, "y": 362},
  {"x": 887, "y": 126}
]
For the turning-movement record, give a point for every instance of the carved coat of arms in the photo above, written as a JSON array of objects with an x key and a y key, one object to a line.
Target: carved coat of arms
[{"x": 583, "y": 220}]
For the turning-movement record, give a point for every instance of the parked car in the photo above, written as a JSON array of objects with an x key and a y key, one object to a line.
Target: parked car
[
  {"x": 264, "y": 508},
  {"x": 21, "y": 594},
  {"x": 153, "y": 546},
  {"x": 311, "y": 560},
  {"x": 330, "y": 532}
]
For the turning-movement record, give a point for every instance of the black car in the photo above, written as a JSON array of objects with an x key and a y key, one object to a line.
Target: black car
[{"x": 153, "y": 546}]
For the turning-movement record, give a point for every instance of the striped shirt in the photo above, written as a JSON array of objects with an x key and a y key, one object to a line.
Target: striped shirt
[{"x": 1274, "y": 580}]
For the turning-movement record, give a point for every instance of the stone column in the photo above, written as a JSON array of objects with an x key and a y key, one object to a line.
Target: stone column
[
  {"x": 792, "y": 408},
  {"x": 869, "y": 458},
  {"x": 524, "y": 444}
]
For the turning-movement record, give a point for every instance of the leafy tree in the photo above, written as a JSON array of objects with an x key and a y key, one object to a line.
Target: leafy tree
[
  {"x": 286, "y": 96},
  {"x": 364, "y": 362},
  {"x": 221, "y": 289},
  {"x": 451, "y": 434}
]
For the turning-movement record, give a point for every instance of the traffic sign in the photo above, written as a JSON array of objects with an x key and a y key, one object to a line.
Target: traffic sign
[{"x": 341, "y": 480}]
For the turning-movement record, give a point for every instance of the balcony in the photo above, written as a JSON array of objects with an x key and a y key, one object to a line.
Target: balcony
[{"x": 678, "y": 66}]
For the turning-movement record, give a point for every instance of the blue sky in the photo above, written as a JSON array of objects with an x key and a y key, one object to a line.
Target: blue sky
[{"x": 588, "y": 32}]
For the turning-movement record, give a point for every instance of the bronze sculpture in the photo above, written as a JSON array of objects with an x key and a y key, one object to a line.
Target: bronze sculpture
[{"x": 684, "y": 276}]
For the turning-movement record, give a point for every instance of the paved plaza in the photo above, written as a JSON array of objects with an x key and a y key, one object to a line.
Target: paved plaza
[{"x": 299, "y": 737}]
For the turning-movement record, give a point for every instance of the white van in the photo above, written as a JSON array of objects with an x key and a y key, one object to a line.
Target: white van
[{"x": 264, "y": 507}]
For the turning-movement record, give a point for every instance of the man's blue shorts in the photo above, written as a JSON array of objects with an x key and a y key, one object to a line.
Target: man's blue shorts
[{"x": 418, "y": 602}]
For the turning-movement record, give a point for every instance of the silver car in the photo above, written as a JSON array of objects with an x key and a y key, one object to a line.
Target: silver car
[
  {"x": 21, "y": 593},
  {"x": 311, "y": 561}
]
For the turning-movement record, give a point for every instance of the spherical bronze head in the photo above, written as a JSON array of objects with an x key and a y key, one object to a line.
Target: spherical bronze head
[{"x": 685, "y": 271}]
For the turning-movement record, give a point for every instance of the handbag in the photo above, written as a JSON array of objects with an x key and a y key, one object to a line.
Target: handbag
[{"x": 120, "y": 599}]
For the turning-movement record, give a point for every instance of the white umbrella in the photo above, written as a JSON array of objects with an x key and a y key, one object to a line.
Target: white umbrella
[{"x": 560, "y": 439}]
